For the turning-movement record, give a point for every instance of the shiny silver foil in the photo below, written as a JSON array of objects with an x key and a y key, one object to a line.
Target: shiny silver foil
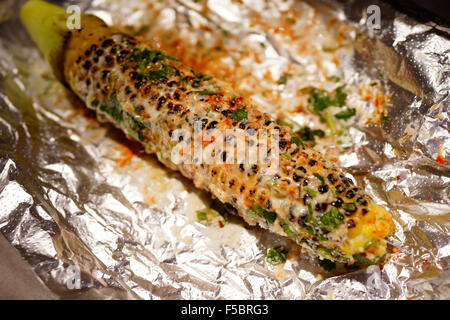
[{"x": 96, "y": 218}]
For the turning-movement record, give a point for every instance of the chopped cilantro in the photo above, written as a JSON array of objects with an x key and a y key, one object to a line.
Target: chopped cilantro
[
  {"x": 332, "y": 219},
  {"x": 149, "y": 56},
  {"x": 328, "y": 117},
  {"x": 362, "y": 259},
  {"x": 341, "y": 96},
  {"x": 113, "y": 108},
  {"x": 318, "y": 176},
  {"x": 201, "y": 215},
  {"x": 276, "y": 255},
  {"x": 269, "y": 216},
  {"x": 310, "y": 210},
  {"x": 206, "y": 92},
  {"x": 284, "y": 78},
  {"x": 385, "y": 119},
  {"x": 256, "y": 207},
  {"x": 146, "y": 58},
  {"x": 136, "y": 126},
  {"x": 308, "y": 134},
  {"x": 200, "y": 76},
  {"x": 310, "y": 191},
  {"x": 349, "y": 207},
  {"x": 286, "y": 155},
  {"x": 239, "y": 114},
  {"x": 346, "y": 114},
  {"x": 287, "y": 229},
  {"x": 163, "y": 71},
  {"x": 319, "y": 99},
  {"x": 310, "y": 221},
  {"x": 297, "y": 141},
  {"x": 285, "y": 123},
  {"x": 308, "y": 229}
]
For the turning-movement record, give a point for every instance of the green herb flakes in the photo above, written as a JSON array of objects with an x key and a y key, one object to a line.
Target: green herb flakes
[
  {"x": 206, "y": 92},
  {"x": 362, "y": 259},
  {"x": 332, "y": 219},
  {"x": 201, "y": 215},
  {"x": 239, "y": 114},
  {"x": 269, "y": 216},
  {"x": 349, "y": 207},
  {"x": 285, "y": 123},
  {"x": 162, "y": 72},
  {"x": 113, "y": 108},
  {"x": 385, "y": 119},
  {"x": 286, "y": 155},
  {"x": 320, "y": 99},
  {"x": 149, "y": 56},
  {"x": 321, "y": 179},
  {"x": 340, "y": 96},
  {"x": 297, "y": 141},
  {"x": 276, "y": 255},
  {"x": 287, "y": 229},
  {"x": 346, "y": 114},
  {"x": 308, "y": 134},
  {"x": 200, "y": 76},
  {"x": 310, "y": 191}
]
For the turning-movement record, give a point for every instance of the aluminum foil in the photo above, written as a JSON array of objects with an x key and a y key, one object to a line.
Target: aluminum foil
[{"x": 97, "y": 218}]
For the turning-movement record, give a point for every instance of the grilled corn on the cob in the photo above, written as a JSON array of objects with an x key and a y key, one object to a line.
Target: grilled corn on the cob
[{"x": 150, "y": 95}]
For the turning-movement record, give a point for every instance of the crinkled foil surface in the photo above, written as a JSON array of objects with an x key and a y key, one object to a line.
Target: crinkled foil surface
[{"x": 77, "y": 198}]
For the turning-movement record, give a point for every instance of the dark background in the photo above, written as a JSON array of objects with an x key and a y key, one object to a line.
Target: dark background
[{"x": 423, "y": 10}]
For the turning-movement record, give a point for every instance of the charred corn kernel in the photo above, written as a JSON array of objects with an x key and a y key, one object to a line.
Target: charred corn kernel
[{"x": 149, "y": 95}]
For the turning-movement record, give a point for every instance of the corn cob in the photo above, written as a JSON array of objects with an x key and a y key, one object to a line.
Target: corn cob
[{"x": 150, "y": 95}]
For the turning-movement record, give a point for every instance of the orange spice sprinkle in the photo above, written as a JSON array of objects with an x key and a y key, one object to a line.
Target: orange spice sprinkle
[
  {"x": 440, "y": 158},
  {"x": 125, "y": 156}
]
